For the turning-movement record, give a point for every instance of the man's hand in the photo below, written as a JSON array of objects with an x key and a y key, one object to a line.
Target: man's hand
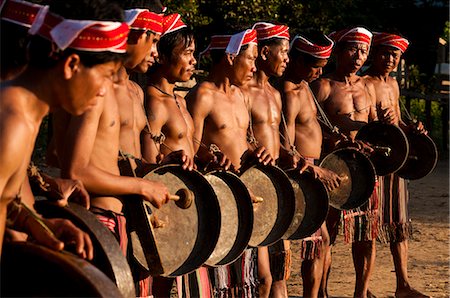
[
  {"x": 219, "y": 160},
  {"x": 179, "y": 157},
  {"x": 388, "y": 115},
  {"x": 262, "y": 156},
  {"x": 154, "y": 192},
  {"x": 417, "y": 127},
  {"x": 329, "y": 178},
  {"x": 63, "y": 190},
  {"x": 65, "y": 236}
]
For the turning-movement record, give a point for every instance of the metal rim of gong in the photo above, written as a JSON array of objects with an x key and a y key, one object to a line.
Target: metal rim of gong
[
  {"x": 362, "y": 174},
  {"x": 390, "y": 146},
  {"x": 245, "y": 215},
  {"x": 51, "y": 274},
  {"x": 316, "y": 204},
  {"x": 286, "y": 200},
  {"x": 422, "y": 148},
  {"x": 108, "y": 256},
  {"x": 208, "y": 212}
]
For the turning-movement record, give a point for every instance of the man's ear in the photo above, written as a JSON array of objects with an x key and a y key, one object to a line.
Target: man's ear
[
  {"x": 230, "y": 58},
  {"x": 264, "y": 52},
  {"x": 71, "y": 66}
]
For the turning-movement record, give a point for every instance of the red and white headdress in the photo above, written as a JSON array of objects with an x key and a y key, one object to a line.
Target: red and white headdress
[
  {"x": 357, "y": 35},
  {"x": 172, "y": 23},
  {"x": 82, "y": 35},
  {"x": 391, "y": 40},
  {"x": 267, "y": 30},
  {"x": 241, "y": 39},
  {"x": 19, "y": 12},
  {"x": 302, "y": 44},
  {"x": 143, "y": 19}
]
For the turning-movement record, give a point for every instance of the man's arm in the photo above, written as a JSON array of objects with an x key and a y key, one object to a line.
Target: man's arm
[
  {"x": 157, "y": 116},
  {"x": 199, "y": 104},
  {"x": 75, "y": 162},
  {"x": 291, "y": 110}
]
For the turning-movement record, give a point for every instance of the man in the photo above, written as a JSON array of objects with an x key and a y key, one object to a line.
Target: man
[
  {"x": 17, "y": 17},
  {"x": 221, "y": 118},
  {"x": 265, "y": 107},
  {"x": 167, "y": 114},
  {"x": 64, "y": 59},
  {"x": 308, "y": 54},
  {"x": 387, "y": 50},
  {"x": 88, "y": 146},
  {"x": 349, "y": 103}
]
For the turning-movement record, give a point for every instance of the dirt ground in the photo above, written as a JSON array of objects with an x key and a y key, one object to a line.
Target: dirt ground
[{"x": 428, "y": 253}]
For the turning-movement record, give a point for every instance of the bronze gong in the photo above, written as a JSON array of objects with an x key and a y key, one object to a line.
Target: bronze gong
[
  {"x": 180, "y": 236},
  {"x": 236, "y": 212},
  {"x": 390, "y": 146},
  {"x": 311, "y": 205},
  {"x": 422, "y": 157},
  {"x": 358, "y": 175},
  {"x": 31, "y": 270},
  {"x": 273, "y": 203},
  {"x": 108, "y": 257}
]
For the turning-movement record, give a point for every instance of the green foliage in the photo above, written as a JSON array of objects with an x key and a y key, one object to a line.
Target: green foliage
[{"x": 446, "y": 34}]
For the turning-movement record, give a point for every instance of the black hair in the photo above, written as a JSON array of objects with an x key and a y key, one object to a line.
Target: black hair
[
  {"x": 168, "y": 42},
  {"x": 42, "y": 53},
  {"x": 13, "y": 41},
  {"x": 152, "y": 5}
]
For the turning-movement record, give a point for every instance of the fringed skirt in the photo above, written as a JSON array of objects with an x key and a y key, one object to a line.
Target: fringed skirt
[
  {"x": 280, "y": 260},
  {"x": 394, "y": 197},
  {"x": 362, "y": 224},
  {"x": 239, "y": 279},
  {"x": 311, "y": 247}
]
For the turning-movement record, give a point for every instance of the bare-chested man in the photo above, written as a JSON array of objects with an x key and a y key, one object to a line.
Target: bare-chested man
[
  {"x": 52, "y": 79},
  {"x": 265, "y": 106},
  {"x": 88, "y": 148},
  {"x": 309, "y": 54},
  {"x": 221, "y": 119},
  {"x": 349, "y": 103},
  {"x": 387, "y": 50}
]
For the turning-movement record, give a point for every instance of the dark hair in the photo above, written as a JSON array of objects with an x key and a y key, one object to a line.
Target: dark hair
[
  {"x": 152, "y": 5},
  {"x": 42, "y": 52},
  {"x": 13, "y": 40},
  {"x": 168, "y": 42}
]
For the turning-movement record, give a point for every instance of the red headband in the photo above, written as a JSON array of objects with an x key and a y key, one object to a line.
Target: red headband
[
  {"x": 83, "y": 35},
  {"x": 143, "y": 19},
  {"x": 357, "y": 35},
  {"x": 303, "y": 45},
  {"x": 391, "y": 40},
  {"x": 19, "y": 12},
  {"x": 241, "y": 39},
  {"x": 172, "y": 23},
  {"x": 267, "y": 30}
]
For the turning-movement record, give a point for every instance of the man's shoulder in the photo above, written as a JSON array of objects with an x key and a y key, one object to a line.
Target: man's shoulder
[{"x": 203, "y": 91}]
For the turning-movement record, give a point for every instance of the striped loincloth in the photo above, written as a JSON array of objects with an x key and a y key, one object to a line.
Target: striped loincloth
[
  {"x": 394, "y": 197},
  {"x": 280, "y": 260},
  {"x": 362, "y": 224},
  {"x": 117, "y": 224},
  {"x": 195, "y": 284}
]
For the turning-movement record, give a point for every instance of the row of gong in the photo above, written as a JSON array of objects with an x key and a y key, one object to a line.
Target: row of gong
[{"x": 213, "y": 217}]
